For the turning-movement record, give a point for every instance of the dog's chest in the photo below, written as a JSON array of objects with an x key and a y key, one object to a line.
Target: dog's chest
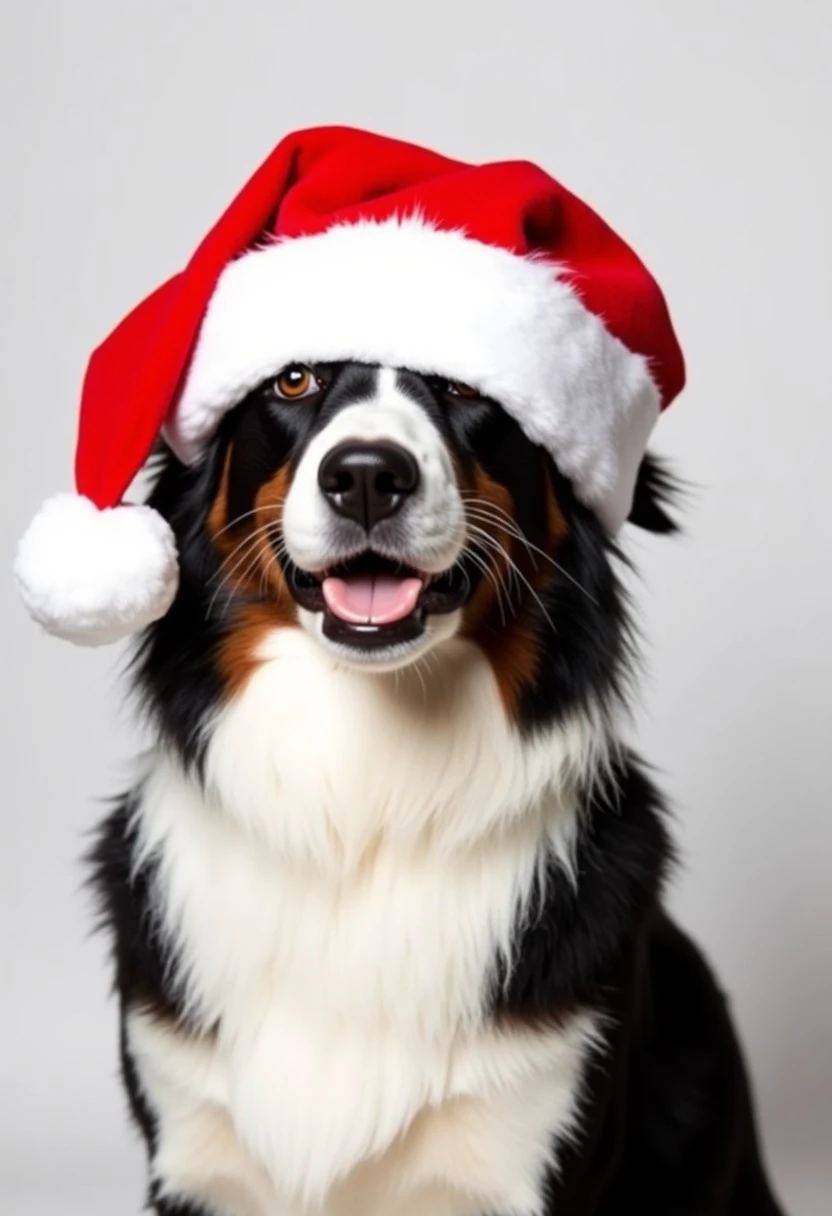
[{"x": 348, "y": 1063}]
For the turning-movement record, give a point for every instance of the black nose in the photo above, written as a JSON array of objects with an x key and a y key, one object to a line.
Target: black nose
[{"x": 368, "y": 482}]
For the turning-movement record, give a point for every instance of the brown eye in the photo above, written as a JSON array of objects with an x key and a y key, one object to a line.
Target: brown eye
[
  {"x": 296, "y": 380},
  {"x": 457, "y": 389}
]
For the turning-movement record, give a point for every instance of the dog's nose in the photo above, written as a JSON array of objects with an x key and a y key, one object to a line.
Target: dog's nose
[{"x": 368, "y": 482}]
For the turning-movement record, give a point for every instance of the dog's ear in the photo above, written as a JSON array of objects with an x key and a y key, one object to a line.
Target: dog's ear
[{"x": 657, "y": 493}]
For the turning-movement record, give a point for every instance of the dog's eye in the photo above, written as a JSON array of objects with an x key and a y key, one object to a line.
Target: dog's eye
[
  {"x": 295, "y": 381},
  {"x": 456, "y": 388}
]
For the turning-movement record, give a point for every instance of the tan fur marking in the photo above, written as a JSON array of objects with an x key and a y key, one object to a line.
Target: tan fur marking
[
  {"x": 484, "y": 607},
  {"x": 250, "y": 567},
  {"x": 512, "y": 648}
]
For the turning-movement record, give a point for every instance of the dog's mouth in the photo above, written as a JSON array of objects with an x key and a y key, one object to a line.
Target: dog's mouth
[{"x": 371, "y": 601}]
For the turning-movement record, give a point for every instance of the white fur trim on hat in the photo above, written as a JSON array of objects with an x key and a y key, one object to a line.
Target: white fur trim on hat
[
  {"x": 94, "y": 576},
  {"x": 406, "y": 294}
]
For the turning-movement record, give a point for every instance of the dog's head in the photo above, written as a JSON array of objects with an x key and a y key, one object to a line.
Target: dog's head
[
  {"x": 407, "y": 398},
  {"x": 385, "y": 512}
]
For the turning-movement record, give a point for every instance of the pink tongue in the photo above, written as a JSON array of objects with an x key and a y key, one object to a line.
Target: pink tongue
[{"x": 371, "y": 599}]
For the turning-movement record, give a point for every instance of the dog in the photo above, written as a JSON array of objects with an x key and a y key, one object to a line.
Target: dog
[
  {"x": 385, "y": 903},
  {"x": 386, "y": 897}
]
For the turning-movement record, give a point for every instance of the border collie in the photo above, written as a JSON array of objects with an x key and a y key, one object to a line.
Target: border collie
[{"x": 385, "y": 904}]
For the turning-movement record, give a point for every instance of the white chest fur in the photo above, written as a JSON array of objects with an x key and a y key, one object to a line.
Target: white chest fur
[{"x": 339, "y": 898}]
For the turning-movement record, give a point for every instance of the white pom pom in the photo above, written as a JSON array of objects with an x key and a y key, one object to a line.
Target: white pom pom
[{"x": 94, "y": 576}]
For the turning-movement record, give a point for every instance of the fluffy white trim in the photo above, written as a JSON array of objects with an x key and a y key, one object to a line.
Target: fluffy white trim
[
  {"x": 93, "y": 576},
  {"x": 409, "y": 295}
]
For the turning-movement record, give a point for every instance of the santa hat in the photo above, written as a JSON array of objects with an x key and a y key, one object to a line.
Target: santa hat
[{"x": 349, "y": 245}]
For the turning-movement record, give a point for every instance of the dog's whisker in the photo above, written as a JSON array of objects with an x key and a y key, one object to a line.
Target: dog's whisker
[
  {"x": 482, "y": 564},
  {"x": 495, "y": 547},
  {"x": 417, "y": 671},
  {"x": 227, "y": 569},
  {"x": 501, "y": 549},
  {"x": 248, "y": 540},
  {"x": 277, "y": 551},
  {"x": 238, "y": 519},
  {"x": 503, "y": 579},
  {"x": 226, "y": 585},
  {"x": 252, "y": 542},
  {"x": 513, "y": 528},
  {"x": 241, "y": 579}
]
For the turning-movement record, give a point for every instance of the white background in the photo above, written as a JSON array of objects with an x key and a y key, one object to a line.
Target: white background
[{"x": 700, "y": 130}]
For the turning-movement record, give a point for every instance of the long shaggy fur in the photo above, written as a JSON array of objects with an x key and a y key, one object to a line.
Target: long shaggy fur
[{"x": 388, "y": 940}]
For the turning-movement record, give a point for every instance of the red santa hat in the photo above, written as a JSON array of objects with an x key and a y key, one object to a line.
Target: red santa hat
[{"x": 349, "y": 245}]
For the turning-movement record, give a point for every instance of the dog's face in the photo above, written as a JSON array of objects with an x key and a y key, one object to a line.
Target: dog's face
[{"x": 384, "y": 512}]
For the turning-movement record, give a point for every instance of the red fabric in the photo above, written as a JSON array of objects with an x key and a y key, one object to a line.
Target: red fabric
[{"x": 312, "y": 180}]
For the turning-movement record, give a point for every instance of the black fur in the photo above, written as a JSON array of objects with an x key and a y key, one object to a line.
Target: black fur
[
  {"x": 124, "y": 888},
  {"x": 143, "y": 962},
  {"x": 583, "y": 926},
  {"x": 656, "y": 492},
  {"x": 170, "y": 1207},
  {"x": 666, "y": 1124}
]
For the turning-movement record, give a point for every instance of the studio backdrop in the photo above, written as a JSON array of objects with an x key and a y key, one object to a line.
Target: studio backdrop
[{"x": 701, "y": 131}]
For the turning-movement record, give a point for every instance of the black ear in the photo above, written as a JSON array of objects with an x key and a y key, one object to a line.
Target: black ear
[{"x": 657, "y": 492}]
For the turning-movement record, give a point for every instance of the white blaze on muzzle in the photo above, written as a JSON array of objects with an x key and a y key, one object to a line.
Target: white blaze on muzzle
[{"x": 429, "y": 530}]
